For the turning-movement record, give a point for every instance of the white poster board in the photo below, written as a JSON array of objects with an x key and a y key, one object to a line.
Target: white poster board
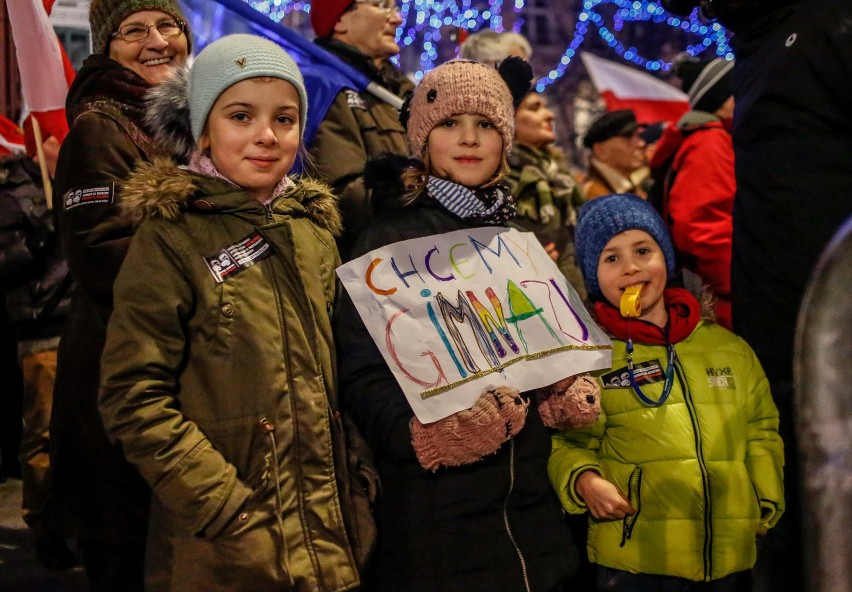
[{"x": 456, "y": 313}]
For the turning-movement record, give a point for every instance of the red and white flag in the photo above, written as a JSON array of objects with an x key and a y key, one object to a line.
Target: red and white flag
[
  {"x": 623, "y": 87},
  {"x": 45, "y": 69},
  {"x": 11, "y": 137}
]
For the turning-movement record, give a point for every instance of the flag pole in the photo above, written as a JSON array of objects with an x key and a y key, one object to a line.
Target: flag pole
[{"x": 42, "y": 165}]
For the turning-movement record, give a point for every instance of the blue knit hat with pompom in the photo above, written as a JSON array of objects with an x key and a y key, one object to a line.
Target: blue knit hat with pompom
[{"x": 604, "y": 217}]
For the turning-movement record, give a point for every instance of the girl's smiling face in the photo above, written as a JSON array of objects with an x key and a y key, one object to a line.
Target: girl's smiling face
[
  {"x": 252, "y": 134},
  {"x": 465, "y": 148},
  {"x": 634, "y": 257}
]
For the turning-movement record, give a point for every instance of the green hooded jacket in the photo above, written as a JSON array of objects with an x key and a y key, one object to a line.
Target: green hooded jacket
[{"x": 218, "y": 382}]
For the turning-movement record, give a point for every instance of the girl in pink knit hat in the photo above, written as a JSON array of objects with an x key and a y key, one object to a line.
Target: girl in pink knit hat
[{"x": 466, "y": 501}]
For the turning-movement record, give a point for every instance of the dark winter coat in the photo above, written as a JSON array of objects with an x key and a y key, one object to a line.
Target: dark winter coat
[
  {"x": 448, "y": 530},
  {"x": 32, "y": 271},
  {"x": 358, "y": 126},
  {"x": 100, "y": 495},
  {"x": 792, "y": 136},
  {"x": 222, "y": 393}
]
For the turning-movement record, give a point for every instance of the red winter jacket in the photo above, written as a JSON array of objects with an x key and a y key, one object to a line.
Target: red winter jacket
[{"x": 698, "y": 200}]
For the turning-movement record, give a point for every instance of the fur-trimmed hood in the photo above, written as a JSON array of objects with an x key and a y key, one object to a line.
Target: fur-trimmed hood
[
  {"x": 162, "y": 189},
  {"x": 167, "y": 114}
]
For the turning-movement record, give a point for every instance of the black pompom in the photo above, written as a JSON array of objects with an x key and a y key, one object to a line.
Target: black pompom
[
  {"x": 518, "y": 75},
  {"x": 405, "y": 110}
]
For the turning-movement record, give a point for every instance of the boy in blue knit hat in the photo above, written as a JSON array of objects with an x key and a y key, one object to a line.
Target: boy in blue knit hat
[{"x": 683, "y": 468}]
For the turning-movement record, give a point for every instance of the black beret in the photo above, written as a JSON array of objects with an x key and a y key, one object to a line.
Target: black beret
[{"x": 610, "y": 125}]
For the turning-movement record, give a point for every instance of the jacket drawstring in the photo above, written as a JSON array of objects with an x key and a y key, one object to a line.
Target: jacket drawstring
[{"x": 279, "y": 509}]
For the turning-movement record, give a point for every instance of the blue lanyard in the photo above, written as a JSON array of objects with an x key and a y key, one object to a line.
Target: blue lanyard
[{"x": 667, "y": 385}]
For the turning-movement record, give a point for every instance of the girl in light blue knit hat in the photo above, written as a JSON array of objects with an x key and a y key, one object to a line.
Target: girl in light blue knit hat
[
  {"x": 683, "y": 468},
  {"x": 218, "y": 378}
]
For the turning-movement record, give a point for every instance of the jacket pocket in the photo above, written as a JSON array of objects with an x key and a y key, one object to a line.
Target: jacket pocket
[
  {"x": 634, "y": 496},
  {"x": 248, "y": 551}
]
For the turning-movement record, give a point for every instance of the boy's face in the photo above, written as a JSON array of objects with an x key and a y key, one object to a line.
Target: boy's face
[
  {"x": 466, "y": 149},
  {"x": 630, "y": 258},
  {"x": 252, "y": 134}
]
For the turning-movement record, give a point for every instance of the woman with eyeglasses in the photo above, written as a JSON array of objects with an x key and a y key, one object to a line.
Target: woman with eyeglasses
[{"x": 102, "y": 500}]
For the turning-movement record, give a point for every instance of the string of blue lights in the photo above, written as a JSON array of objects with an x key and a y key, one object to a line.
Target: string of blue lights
[{"x": 422, "y": 21}]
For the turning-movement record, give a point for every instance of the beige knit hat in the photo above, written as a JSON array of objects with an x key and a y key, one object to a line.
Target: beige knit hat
[
  {"x": 456, "y": 87},
  {"x": 106, "y": 15}
]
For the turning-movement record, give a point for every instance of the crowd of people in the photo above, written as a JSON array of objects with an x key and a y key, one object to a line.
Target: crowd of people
[{"x": 203, "y": 408}]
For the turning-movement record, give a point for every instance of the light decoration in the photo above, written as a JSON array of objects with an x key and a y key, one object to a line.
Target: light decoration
[
  {"x": 711, "y": 35},
  {"x": 422, "y": 21}
]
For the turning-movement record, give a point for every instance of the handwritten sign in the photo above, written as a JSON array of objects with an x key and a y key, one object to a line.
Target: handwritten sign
[{"x": 456, "y": 313}]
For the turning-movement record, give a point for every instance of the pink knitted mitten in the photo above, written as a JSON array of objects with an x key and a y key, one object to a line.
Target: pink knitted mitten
[
  {"x": 466, "y": 436},
  {"x": 573, "y": 402}
]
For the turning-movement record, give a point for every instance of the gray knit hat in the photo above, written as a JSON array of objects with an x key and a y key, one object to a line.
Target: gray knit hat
[
  {"x": 708, "y": 84},
  {"x": 232, "y": 59},
  {"x": 604, "y": 217},
  {"x": 106, "y": 15}
]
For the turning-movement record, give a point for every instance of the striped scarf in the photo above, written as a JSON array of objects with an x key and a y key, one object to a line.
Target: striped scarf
[{"x": 489, "y": 207}]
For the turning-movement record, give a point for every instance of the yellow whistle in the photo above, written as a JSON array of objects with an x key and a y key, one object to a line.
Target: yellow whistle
[{"x": 630, "y": 305}]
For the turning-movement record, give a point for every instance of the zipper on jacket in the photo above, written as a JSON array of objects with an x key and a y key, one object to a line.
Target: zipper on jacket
[
  {"x": 267, "y": 426},
  {"x": 705, "y": 478},
  {"x": 268, "y": 209},
  {"x": 506, "y": 515},
  {"x": 634, "y": 488}
]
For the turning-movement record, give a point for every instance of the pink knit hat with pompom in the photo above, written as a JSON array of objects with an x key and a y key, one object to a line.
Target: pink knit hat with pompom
[{"x": 454, "y": 88}]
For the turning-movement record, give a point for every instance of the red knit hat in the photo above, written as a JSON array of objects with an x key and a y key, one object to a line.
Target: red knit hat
[{"x": 326, "y": 13}]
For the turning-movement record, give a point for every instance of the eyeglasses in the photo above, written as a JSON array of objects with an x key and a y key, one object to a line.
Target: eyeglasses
[
  {"x": 389, "y": 6},
  {"x": 135, "y": 32}
]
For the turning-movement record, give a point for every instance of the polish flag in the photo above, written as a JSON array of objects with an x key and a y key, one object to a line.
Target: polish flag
[
  {"x": 11, "y": 137},
  {"x": 623, "y": 87},
  {"x": 45, "y": 69}
]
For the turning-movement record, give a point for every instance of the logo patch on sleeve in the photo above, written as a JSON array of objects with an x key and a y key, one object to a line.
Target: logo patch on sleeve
[
  {"x": 241, "y": 255},
  {"x": 354, "y": 100},
  {"x": 644, "y": 373},
  {"x": 88, "y": 196}
]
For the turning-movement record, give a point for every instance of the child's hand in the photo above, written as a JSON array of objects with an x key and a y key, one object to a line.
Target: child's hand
[
  {"x": 604, "y": 500},
  {"x": 550, "y": 248}
]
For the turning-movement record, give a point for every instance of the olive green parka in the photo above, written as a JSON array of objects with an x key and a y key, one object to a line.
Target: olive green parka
[{"x": 222, "y": 391}]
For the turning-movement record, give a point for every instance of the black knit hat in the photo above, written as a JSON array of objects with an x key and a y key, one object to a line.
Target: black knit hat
[
  {"x": 609, "y": 125},
  {"x": 707, "y": 83},
  {"x": 106, "y": 15}
]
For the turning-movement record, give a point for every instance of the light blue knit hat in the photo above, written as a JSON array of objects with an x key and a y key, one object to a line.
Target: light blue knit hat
[
  {"x": 232, "y": 59},
  {"x": 604, "y": 217}
]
